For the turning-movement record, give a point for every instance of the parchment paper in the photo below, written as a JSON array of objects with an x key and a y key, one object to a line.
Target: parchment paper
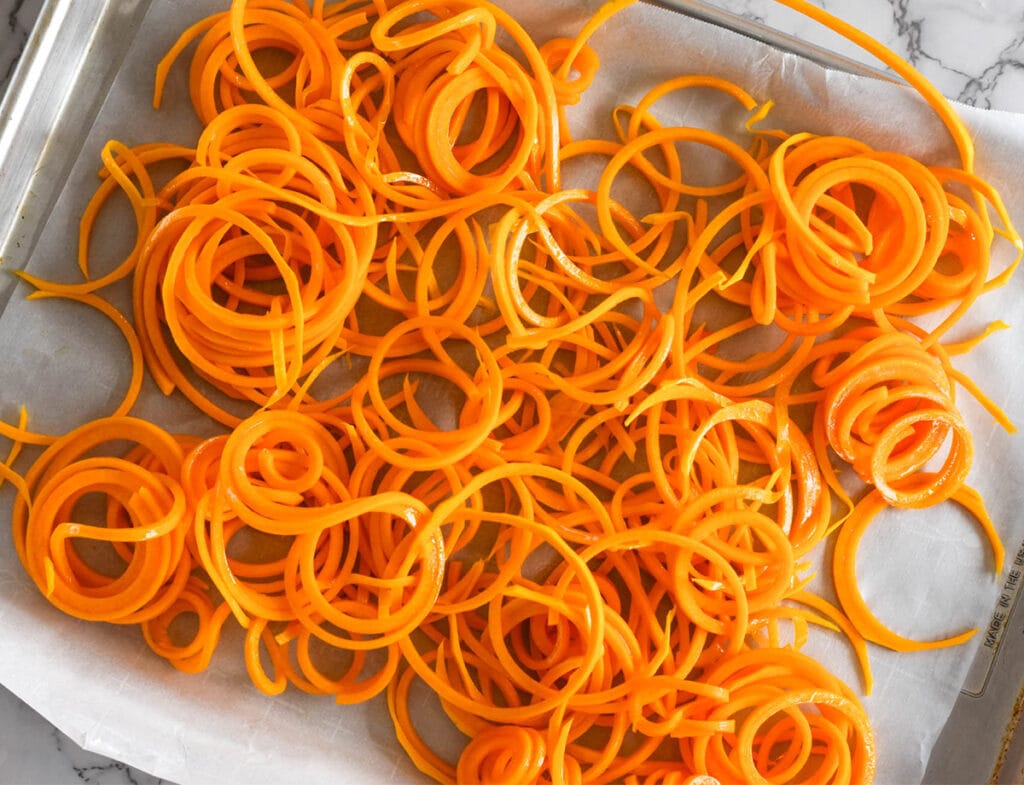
[{"x": 926, "y": 573}]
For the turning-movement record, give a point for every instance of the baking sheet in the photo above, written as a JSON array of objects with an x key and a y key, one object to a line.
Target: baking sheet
[{"x": 927, "y": 573}]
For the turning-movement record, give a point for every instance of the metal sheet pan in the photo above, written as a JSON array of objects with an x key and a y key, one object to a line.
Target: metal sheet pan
[{"x": 58, "y": 87}]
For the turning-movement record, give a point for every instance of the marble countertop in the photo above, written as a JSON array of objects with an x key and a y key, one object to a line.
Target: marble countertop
[{"x": 973, "y": 50}]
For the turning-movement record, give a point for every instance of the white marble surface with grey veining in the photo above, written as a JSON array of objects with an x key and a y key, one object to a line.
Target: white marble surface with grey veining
[{"x": 973, "y": 50}]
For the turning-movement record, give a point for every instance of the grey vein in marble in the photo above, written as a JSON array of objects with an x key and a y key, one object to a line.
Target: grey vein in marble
[
  {"x": 96, "y": 770},
  {"x": 20, "y": 14}
]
